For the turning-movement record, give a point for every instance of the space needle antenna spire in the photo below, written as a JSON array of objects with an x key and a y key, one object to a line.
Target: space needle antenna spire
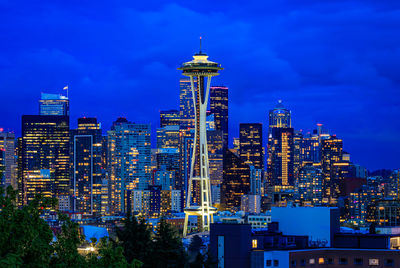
[{"x": 198, "y": 200}]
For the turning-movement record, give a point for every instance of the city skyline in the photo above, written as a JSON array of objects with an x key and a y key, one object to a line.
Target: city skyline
[{"x": 354, "y": 95}]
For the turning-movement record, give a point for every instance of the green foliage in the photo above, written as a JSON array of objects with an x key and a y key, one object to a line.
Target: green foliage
[
  {"x": 66, "y": 247},
  {"x": 168, "y": 248},
  {"x": 135, "y": 239},
  {"x": 25, "y": 238}
]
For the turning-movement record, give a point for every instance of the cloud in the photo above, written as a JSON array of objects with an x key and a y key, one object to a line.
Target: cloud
[{"x": 332, "y": 62}]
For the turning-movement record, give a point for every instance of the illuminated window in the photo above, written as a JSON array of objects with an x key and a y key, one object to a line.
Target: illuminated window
[
  {"x": 321, "y": 261},
  {"x": 312, "y": 261},
  {"x": 254, "y": 243},
  {"x": 373, "y": 262}
]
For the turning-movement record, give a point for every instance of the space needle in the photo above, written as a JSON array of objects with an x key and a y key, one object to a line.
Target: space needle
[{"x": 200, "y": 69}]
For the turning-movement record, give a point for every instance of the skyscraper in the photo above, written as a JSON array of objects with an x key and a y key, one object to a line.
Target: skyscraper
[
  {"x": 251, "y": 150},
  {"x": 279, "y": 117},
  {"x": 202, "y": 69},
  {"x": 86, "y": 142},
  {"x": 169, "y": 118},
  {"x": 168, "y": 137},
  {"x": 219, "y": 107},
  {"x": 7, "y": 159},
  {"x": 331, "y": 153},
  {"x": 129, "y": 161},
  {"x": 186, "y": 106},
  {"x": 44, "y": 157},
  {"x": 280, "y": 157},
  {"x": 310, "y": 185},
  {"x": 280, "y": 162},
  {"x": 53, "y": 104},
  {"x": 236, "y": 181}
]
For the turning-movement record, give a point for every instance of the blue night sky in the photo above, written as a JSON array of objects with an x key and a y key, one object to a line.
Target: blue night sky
[{"x": 332, "y": 62}]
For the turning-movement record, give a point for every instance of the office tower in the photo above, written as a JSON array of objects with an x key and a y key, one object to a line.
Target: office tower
[
  {"x": 215, "y": 155},
  {"x": 168, "y": 137},
  {"x": 310, "y": 185},
  {"x": 255, "y": 181},
  {"x": 185, "y": 152},
  {"x": 129, "y": 161},
  {"x": 53, "y": 104},
  {"x": 236, "y": 181},
  {"x": 219, "y": 107},
  {"x": 310, "y": 149},
  {"x": 331, "y": 153},
  {"x": 186, "y": 107},
  {"x": 297, "y": 164},
  {"x": 202, "y": 69},
  {"x": 279, "y": 117},
  {"x": 164, "y": 178},
  {"x": 167, "y": 163},
  {"x": 86, "y": 148},
  {"x": 7, "y": 159},
  {"x": 167, "y": 158},
  {"x": 251, "y": 150},
  {"x": 44, "y": 157},
  {"x": 281, "y": 157},
  {"x": 236, "y": 144},
  {"x": 169, "y": 118}
]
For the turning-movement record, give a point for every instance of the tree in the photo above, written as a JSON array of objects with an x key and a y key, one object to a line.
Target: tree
[
  {"x": 168, "y": 247},
  {"x": 135, "y": 239},
  {"x": 66, "y": 247},
  {"x": 194, "y": 248},
  {"x": 25, "y": 238},
  {"x": 111, "y": 255}
]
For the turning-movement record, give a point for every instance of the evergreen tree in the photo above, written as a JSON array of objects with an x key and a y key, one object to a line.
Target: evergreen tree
[
  {"x": 168, "y": 247},
  {"x": 25, "y": 238},
  {"x": 135, "y": 239}
]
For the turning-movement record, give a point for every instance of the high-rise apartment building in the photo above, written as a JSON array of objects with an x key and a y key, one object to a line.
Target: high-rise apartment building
[
  {"x": 7, "y": 159},
  {"x": 129, "y": 161},
  {"x": 87, "y": 175},
  {"x": 53, "y": 104},
  {"x": 44, "y": 157},
  {"x": 310, "y": 185},
  {"x": 250, "y": 149},
  {"x": 219, "y": 107}
]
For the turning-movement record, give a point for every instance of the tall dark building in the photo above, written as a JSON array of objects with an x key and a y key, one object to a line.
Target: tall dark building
[
  {"x": 44, "y": 157},
  {"x": 169, "y": 118},
  {"x": 86, "y": 148},
  {"x": 53, "y": 104},
  {"x": 219, "y": 107},
  {"x": 251, "y": 150},
  {"x": 236, "y": 180},
  {"x": 281, "y": 157}
]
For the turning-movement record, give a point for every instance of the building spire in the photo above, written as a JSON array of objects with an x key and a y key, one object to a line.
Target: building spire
[{"x": 200, "y": 46}]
